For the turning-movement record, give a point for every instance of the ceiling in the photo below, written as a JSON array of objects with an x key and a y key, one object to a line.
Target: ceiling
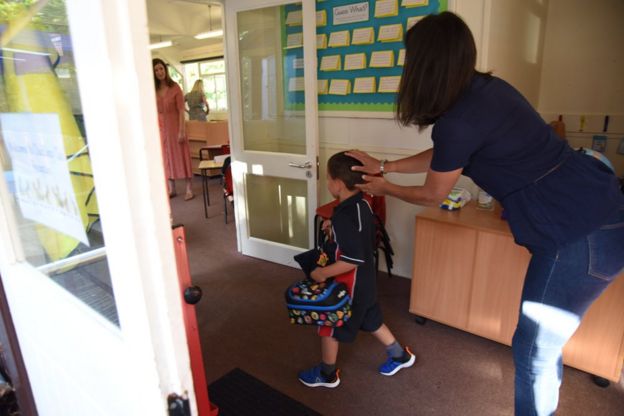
[{"x": 180, "y": 20}]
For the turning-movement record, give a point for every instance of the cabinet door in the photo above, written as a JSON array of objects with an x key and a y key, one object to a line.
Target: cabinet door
[
  {"x": 441, "y": 279},
  {"x": 598, "y": 344},
  {"x": 499, "y": 270}
]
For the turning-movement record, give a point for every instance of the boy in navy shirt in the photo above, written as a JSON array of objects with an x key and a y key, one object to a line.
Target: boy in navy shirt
[{"x": 353, "y": 230}]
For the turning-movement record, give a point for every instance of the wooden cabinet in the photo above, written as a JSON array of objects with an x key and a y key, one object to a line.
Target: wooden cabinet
[
  {"x": 468, "y": 273},
  {"x": 210, "y": 134}
]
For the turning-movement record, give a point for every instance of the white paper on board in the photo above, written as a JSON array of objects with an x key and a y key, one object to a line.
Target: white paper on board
[{"x": 44, "y": 189}]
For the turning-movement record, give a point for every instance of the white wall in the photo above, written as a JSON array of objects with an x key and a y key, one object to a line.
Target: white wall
[
  {"x": 583, "y": 72},
  {"x": 583, "y": 69},
  {"x": 515, "y": 42}
]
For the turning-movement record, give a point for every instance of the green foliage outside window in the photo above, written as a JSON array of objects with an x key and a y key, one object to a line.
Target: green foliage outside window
[
  {"x": 175, "y": 75},
  {"x": 51, "y": 18},
  {"x": 212, "y": 72}
]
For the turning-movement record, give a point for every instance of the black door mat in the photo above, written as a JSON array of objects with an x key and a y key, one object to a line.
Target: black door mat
[{"x": 240, "y": 394}]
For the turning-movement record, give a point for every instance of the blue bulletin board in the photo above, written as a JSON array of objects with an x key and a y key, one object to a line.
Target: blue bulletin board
[{"x": 386, "y": 20}]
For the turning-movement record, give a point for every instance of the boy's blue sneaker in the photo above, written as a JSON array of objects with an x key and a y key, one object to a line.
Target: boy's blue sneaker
[
  {"x": 392, "y": 366},
  {"x": 314, "y": 378}
]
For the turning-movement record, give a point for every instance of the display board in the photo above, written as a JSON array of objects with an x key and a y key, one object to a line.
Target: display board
[{"x": 360, "y": 52}]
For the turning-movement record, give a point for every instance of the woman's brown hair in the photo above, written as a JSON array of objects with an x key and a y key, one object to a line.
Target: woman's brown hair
[
  {"x": 168, "y": 79},
  {"x": 440, "y": 59}
]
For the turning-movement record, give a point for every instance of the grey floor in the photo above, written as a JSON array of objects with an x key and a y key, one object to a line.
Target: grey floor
[{"x": 243, "y": 323}]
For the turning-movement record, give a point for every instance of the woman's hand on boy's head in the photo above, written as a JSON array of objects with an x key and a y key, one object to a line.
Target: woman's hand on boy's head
[
  {"x": 370, "y": 165},
  {"x": 374, "y": 185}
]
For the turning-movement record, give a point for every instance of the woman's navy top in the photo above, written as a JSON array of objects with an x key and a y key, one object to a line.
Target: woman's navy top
[{"x": 552, "y": 195}]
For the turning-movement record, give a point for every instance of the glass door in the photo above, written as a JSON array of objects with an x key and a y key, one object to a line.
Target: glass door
[
  {"x": 271, "y": 60},
  {"x": 86, "y": 253}
]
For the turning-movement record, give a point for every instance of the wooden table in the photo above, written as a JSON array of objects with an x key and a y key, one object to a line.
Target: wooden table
[
  {"x": 205, "y": 134},
  {"x": 208, "y": 169},
  {"x": 469, "y": 273}
]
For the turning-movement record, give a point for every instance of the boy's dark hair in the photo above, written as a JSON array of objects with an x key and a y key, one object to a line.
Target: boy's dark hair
[
  {"x": 440, "y": 59},
  {"x": 339, "y": 167}
]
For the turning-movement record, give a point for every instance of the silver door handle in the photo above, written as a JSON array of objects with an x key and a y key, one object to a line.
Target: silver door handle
[{"x": 306, "y": 165}]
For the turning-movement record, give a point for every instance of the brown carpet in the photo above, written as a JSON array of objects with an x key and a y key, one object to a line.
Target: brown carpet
[{"x": 244, "y": 324}]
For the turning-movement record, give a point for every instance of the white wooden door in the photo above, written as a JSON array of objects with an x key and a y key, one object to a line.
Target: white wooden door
[
  {"x": 271, "y": 64},
  {"x": 86, "y": 251}
]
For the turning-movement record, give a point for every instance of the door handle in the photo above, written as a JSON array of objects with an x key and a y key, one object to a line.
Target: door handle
[
  {"x": 306, "y": 165},
  {"x": 192, "y": 294}
]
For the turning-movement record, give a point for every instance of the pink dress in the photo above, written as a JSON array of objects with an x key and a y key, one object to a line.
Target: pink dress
[{"x": 176, "y": 156}]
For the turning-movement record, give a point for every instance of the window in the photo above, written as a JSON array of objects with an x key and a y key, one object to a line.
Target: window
[
  {"x": 212, "y": 72},
  {"x": 45, "y": 156},
  {"x": 175, "y": 75}
]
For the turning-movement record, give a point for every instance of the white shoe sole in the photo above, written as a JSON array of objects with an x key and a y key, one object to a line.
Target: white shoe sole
[
  {"x": 328, "y": 385},
  {"x": 406, "y": 364}
]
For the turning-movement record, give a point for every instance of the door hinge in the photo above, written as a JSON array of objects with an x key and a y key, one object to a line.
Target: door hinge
[
  {"x": 317, "y": 169},
  {"x": 178, "y": 405}
]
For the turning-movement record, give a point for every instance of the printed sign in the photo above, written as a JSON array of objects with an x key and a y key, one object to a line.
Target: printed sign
[
  {"x": 44, "y": 189},
  {"x": 356, "y": 12}
]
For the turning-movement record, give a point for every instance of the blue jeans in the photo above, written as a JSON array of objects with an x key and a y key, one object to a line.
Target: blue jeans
[{"x": 558, "y": 289}]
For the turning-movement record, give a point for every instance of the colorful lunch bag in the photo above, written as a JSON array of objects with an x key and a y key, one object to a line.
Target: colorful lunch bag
[{"x": 312, "y": 303}]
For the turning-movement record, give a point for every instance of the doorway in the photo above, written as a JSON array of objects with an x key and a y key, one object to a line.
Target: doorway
[{"x": 188, "y": 36}]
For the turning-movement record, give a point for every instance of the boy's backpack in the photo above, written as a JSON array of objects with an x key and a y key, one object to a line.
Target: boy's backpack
[{"x": 382, "y": 239}]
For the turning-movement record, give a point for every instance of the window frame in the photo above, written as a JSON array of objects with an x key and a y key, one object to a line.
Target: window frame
[{"x": 189, "y": 81}]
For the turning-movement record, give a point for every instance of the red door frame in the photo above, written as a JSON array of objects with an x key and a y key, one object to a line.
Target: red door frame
[{"x": 204, "y": 406}]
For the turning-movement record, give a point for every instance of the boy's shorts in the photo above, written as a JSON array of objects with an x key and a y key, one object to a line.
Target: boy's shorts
[{"x": 368, "y": 319}]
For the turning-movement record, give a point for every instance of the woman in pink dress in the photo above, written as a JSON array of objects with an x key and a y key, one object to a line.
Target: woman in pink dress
[{"x": 175, "y": 147}]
